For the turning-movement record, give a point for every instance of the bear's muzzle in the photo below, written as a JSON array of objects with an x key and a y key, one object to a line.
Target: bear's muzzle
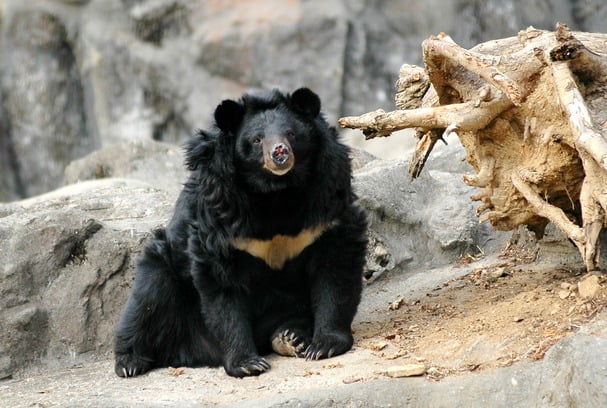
[{"x": 279, "y": 158}]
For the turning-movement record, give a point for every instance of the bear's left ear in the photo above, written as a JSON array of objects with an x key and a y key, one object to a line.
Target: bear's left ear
[
  {"x": 229, "y": 115},
  {"x": 305, "y": 101}
]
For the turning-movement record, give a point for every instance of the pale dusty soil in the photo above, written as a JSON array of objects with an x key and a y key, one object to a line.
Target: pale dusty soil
[
  {"x": 472, "y": 316},
  {"x": 493, "y": 316}
]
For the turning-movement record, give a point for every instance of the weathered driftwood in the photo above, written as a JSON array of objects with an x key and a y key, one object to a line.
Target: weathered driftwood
[{"x": 531, "y": 112}]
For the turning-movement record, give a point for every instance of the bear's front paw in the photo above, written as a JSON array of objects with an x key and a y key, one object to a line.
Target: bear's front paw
[
  {"x": 290, "y": 343},
  {"x": 327, "y": 345},
  {"x": 129, "y": 365},
  {"x": 250, "y": 366}
]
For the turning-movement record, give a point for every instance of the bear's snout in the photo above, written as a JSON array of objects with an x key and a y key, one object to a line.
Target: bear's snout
[
  {"x": 280, "y": 153},
  {"x": 278, "y": 157}
]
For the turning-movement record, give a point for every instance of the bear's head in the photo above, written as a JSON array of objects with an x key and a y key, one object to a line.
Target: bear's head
[
  {"x": 273, "y": 151},
  {"x": 275, "y": 137}
]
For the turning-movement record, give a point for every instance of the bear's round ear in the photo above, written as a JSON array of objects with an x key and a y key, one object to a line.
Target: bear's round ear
[
  {"x": 228, "y": 115},
  {"x": 305, "y": 101}
]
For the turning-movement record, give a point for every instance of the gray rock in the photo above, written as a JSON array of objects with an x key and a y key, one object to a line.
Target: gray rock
[
  {"x": 94, "y": 73},
  {"x": 75, "y": 2},
  {"x": 66, "y": 266},
  {"x": 277, "y": 45},
  {"x": 10, "y": 184},
  {"x": 115, "y": 79},
  {"x": 592, "y": 13},
  {"x": 158, "y": 19},
  {"x": 43, "y": 99},
  {"x": 419, "y": 222},
  {"x": 159, "y": 164}
]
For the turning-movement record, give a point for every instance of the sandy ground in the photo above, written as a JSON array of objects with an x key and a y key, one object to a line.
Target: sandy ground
[
  {"x": 467, "y": 317},
  {"x": 493, "y": 316}
]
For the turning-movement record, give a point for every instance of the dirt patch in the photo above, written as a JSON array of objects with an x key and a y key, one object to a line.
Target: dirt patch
[{"x": 491, "y": 317}]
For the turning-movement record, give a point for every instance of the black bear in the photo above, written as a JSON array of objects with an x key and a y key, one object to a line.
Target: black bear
[{"x": 265, "y": 250}]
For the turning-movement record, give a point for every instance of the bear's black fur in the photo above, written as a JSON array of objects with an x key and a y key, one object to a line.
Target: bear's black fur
[{"x": 265, "y": 249}]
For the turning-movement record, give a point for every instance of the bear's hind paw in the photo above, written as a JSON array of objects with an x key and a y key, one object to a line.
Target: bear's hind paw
[
  {"x": 290, "y": 343},
  {"x": 128, "y": 365}
]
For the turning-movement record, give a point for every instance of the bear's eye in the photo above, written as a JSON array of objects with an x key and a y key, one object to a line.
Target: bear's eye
[
  {"x": 256, "y": 140},
  {"x": 289, "y": 133}
]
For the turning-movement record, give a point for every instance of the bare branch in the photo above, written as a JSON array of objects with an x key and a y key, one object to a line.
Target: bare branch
[
  {"x": 465, "y": 116},
  {"x": 422, "y": 152},
  {"x": 546, "y": 210},
  {"x": 572, "y": 101},
  {"x": 593, "y": 223}
]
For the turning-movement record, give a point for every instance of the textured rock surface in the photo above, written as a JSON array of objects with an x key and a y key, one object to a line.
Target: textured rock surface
[
  {"x": 93, "y": 73},
  {"x": 66, "y": 265},
  {"x": 156, "y": 163},
  {"x": 418, "y": 222},
  {"x": 44, "y": 99},
  {"x": 572, "y": 373}
]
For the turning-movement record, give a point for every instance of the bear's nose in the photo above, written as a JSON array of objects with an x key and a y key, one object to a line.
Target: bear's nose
[{"x": 280, "y": 153}]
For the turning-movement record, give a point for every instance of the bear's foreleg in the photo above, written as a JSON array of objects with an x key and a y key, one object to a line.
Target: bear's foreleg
[
  {"x": 227, "y": 316},
  {"x": 334, "y": 310},
  {"x": 336, "y": 286}
]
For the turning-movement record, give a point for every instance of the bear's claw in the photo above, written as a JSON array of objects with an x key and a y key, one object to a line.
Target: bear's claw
[
  {"x": 252, "y": 366},
  {"x": 290, "y": 343},
  {"x": 327, "y": 346},
  {"x": 128, "y": 365}
]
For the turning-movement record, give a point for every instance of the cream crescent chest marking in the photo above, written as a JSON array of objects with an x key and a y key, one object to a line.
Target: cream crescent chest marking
[{"x": 281, "y": 248}]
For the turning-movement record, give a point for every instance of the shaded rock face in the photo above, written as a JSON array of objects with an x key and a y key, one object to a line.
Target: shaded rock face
[
  {"x": 155, "y": 21},
  {"x": 421, "y": 224},
  {"x": 43, "y": 102},
  {"x": 77, "y": 75}
]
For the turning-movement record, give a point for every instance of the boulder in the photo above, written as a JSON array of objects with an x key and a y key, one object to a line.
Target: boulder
[
  {"x": 43, "y": 100},
  {"x": 427, "y": 222},
  {"x": 66, "y": 268},
  {"x": 156, "y": 163}
]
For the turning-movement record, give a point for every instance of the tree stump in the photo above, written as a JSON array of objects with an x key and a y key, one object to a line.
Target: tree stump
[{"x": 531, "y": 113}]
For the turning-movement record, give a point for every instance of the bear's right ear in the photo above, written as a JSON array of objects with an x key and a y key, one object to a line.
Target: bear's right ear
[
  {"x": 199, "y": 150},
  {"x": 229, "y": 115}
]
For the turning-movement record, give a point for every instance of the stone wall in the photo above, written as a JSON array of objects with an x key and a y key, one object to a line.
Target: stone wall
[{"x": 76, "y": 75}]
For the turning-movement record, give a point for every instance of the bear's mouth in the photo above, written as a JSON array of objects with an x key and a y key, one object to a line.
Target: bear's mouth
[{"x": 279, "y": 169}]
